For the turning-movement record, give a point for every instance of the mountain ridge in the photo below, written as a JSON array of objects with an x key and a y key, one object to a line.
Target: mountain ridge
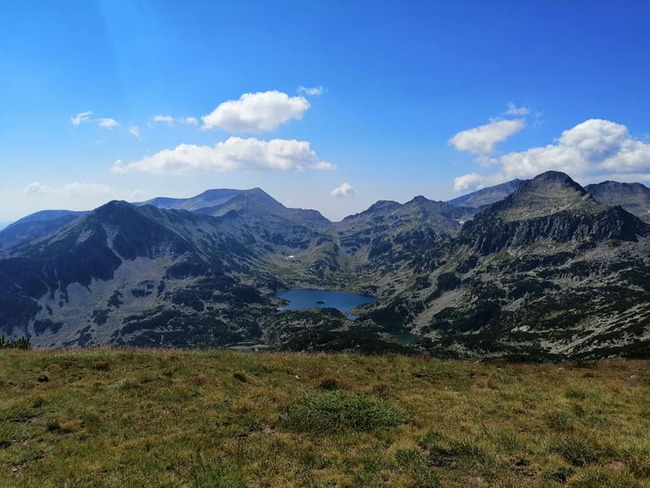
[{"x": 459, "y": 281}]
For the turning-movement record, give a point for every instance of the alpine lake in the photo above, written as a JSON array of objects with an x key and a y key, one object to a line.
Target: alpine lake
[{"x": 303, "y": 298}]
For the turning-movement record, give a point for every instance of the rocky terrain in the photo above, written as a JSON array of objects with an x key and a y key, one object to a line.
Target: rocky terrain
[{"x": 542, "y": 269}]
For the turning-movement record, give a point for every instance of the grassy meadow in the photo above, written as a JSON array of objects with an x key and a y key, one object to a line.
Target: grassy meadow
[{"x": 169, "y": 418}]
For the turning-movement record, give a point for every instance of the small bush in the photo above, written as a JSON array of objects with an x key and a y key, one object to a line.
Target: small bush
[
  {"x": 24, "y": 343},
  {"x": 329, "y": 383},
  {"x": 331, "y": 412},
  {"x": 240, "y": 377},
  {"x": 101, "y": 366}
]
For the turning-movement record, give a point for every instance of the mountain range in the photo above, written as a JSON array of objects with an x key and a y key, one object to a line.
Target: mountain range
[{"x": 541, "y": 268}]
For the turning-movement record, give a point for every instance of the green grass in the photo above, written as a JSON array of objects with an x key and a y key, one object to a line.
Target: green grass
[{"x": 133, "y": 418}]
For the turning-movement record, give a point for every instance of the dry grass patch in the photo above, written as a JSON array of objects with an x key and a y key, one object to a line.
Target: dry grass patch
[{"x": 150, "y": 418}]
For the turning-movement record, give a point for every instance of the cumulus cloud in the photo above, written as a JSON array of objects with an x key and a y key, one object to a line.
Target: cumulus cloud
[
  {"x": 315, "y": 91},
  {"x": 81, "y": 118},
  {"x": 256, "y": 112},
  {"x": 591, "y": 151},
  {"x": 69, "y": 189},
  {"x": 234, "y": 154},
  {"x": 344, "y": 190},
  {"x": 481, "y": 140},
  {"x": 514, "y": 110},
  {"x": 169, "y": 120},
  {"x": 471, "y": 181}
]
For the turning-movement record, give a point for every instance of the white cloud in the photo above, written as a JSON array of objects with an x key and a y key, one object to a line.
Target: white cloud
[
  {"x": 591, "y": 151},
  {"x": 86, "y": 118},
  {"x": 163, "y": 119},
  {"x": 69, "y": 189},
  {"x": 343, "y": 191},
  {"x": 81, "y": 118},
  {"x": 514, "y": 110},
  {"x": 169, "y": 120},
  {"x": 134, "y": 130},
  {"x": 471, "y": 181},
  {"x": 235, "y": 154},
  {"x": 315, "y": 91},
  {"x": 256, "y": 112},
  {"x": 35, "y": 188},
  {"x": 481, "y": 140},
  {"x": 107, "y": 123}
]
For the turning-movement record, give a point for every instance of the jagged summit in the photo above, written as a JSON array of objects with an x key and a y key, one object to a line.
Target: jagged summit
[
  {"x": 544, "y": 195},
  {"x": 377, "y": 208}
]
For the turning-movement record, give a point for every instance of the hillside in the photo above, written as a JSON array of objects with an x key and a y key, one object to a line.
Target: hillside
[
  {"x": 153, "y": 418},
  {"x": 547, "y": 270}
]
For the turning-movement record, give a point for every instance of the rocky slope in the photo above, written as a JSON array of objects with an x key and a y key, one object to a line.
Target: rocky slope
[{"x": 550, "y": 271}]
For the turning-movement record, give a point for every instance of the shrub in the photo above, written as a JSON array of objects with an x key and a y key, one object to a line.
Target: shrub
[
  {"x": 240, "y": 377},
  {"x": 329, "y": 383},
  {"x": 331, "y": 412},
  {"x": 22, "y": 343}
]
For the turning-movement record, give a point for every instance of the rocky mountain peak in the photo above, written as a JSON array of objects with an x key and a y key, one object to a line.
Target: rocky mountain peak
[{"x": 546, "y": 194}]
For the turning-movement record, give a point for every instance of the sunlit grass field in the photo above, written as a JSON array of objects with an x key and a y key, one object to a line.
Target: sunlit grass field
[{"x": 167, "y": 418}]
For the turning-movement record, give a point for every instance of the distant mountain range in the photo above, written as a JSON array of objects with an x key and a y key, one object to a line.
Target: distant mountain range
[{"x": 541, "y": 268}]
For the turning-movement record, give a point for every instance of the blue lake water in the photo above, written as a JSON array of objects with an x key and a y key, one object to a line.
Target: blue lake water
[{"x": 302, "y": 298}]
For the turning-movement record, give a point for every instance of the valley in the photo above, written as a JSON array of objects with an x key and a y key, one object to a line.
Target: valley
[{"x": 539, "y": 269}]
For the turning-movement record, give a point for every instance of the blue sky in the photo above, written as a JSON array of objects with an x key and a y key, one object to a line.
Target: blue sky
[{"x": 328, "y": 105}]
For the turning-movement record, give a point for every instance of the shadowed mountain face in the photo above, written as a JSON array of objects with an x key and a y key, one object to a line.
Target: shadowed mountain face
[
  {"x": 633, "y": 197},
  {"x": 548, "y": 271}
]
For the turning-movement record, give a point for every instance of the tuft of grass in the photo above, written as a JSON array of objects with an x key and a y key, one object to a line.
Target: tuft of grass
[
  {"x": 65, "y": 426},
  {"x": 579, "y": 450},
  {"x": 332, "y": 412},
  {"x": 209, "y": 473},
  {"x": 576, "y": 394},
  {"x": 101, "y": 366},
  {"x": 328, "y": 383},
  {"x": 604, "y": 477},
  {"x": 241, "y": 377},
  {"x": 559, "y": 421}
]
